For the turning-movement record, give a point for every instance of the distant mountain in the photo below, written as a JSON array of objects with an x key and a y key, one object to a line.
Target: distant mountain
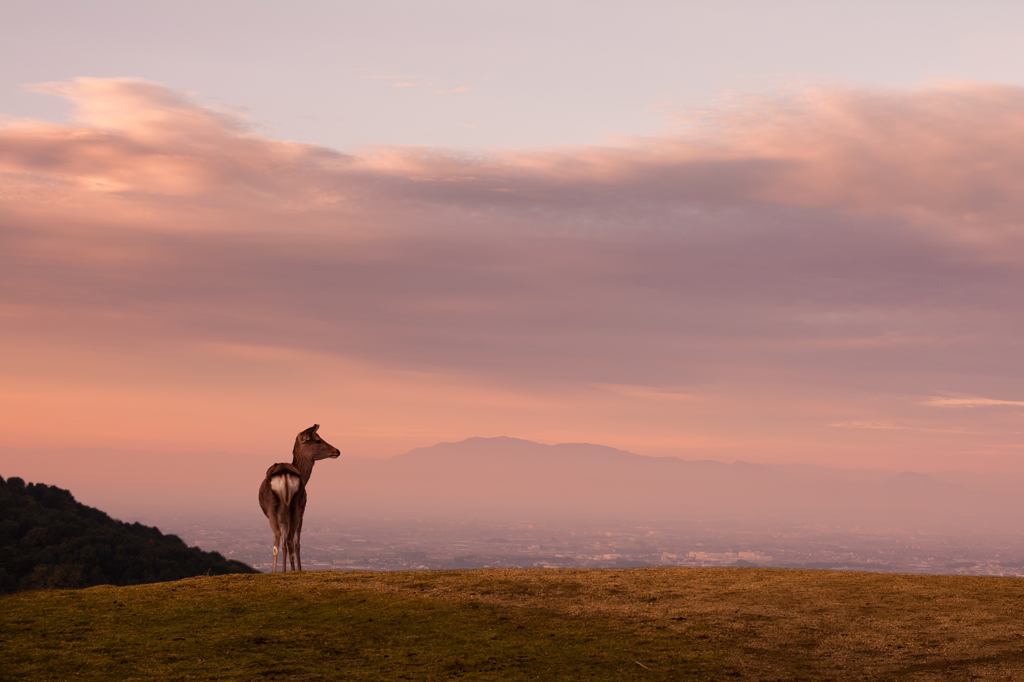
[
  {"x": 48, "y": 540},
  {"x": 512, "y": 479}
]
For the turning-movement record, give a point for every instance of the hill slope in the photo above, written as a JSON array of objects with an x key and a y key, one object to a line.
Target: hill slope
[
  {"x": 650, "y": 624},
  {"x": 48, "y": 540}
]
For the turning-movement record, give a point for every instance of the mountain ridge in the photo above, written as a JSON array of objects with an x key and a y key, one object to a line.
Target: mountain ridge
[
  {"x": 514, "y": 478},
  {"x": 510, "y": 478}
]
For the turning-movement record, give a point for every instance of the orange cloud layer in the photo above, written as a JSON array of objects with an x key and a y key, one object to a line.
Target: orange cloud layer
[
  {"x": 785, "y": 264},
  {"x": 949, "y": 154}
]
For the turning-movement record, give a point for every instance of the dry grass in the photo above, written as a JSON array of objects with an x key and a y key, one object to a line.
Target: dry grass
[
  {"x": 651, "y": 624},
  {"x": 781, "y": 624}
]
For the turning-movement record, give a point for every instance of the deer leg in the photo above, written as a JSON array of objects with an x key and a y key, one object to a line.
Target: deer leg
[
  {"x": 277, "y": 542},
  {"x": 276, "y": 527},
  {"x": 285, "y": 548},
  {"x": 299, "y": 515},
  {"x": 272, "y": 511}
]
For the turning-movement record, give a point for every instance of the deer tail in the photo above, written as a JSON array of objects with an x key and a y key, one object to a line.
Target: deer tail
[{"x": 285, "y": 486}]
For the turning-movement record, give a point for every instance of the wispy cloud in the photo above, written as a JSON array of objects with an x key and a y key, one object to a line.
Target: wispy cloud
[
  {"x": 889, "y": 426},
  {"x": 376, "y": 77},
  {"x": 970, "y": 402}
]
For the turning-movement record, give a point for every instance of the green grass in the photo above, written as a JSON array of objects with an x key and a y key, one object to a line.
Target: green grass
[
  {"x": 318, "y": 626},
  {"x": 644, "y": 624}
]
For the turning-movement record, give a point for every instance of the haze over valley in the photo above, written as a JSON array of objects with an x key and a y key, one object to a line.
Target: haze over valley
[{"x": 505, "y": 502}]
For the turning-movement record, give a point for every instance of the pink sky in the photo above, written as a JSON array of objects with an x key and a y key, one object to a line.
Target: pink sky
[{"x": 828, "y": 274}]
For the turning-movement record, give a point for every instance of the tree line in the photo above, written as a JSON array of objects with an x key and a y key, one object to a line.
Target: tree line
[{"x": 48, "y": 540}]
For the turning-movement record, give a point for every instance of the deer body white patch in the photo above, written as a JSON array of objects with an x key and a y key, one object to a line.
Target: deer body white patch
[{"x": 285, "y": 487}]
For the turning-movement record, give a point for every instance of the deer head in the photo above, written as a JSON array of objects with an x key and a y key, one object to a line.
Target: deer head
[{"x": 310, "y": 447}]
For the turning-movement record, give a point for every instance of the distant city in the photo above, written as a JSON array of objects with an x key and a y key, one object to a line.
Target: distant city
[{"x": 389, "y": 545}]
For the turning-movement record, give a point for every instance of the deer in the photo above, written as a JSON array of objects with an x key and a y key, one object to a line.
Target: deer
[
  {"x": 283, "y": 494},
  {"x": 280, "y": 501}
]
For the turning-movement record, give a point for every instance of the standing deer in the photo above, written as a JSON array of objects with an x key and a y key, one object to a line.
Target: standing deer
[
  {"x": 282, "y": 498},
  {"x": 283, "y": 493}
]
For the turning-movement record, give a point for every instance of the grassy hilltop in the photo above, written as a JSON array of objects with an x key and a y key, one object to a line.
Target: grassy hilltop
[{"x": 644, "y": 624}]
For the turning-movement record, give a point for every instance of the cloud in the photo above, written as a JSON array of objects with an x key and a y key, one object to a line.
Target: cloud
[
  {"x": 842, "y": 244},
  {"x": 133, "y": 144},
  {"x": 882, "y": 426},
  {"x": 971, "y": 402},
  {"x": 447, "y": 259},
  {"x": 941, "y": 155}
]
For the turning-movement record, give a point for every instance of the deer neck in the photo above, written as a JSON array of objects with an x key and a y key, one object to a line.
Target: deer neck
[{"x": 304, "y": 465}]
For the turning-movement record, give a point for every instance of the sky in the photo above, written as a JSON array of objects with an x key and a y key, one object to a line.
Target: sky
[{"x": 773, "y": 232}]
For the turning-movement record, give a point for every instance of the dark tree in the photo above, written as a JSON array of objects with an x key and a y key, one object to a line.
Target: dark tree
[{"x": 48, "y": 540}]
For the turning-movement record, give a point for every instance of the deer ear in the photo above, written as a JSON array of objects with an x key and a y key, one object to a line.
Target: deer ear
[{"x": 315, "y": 427}]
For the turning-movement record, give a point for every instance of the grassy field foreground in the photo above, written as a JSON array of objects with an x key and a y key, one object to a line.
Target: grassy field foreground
[{"x": 648, "y": 624}]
